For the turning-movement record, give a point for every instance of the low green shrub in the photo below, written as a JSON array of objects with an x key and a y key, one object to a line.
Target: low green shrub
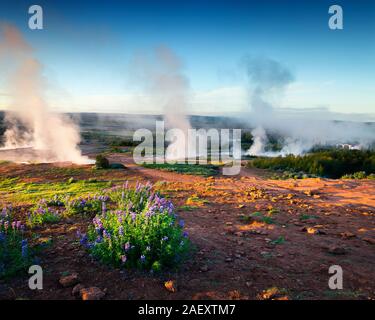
[
  {"x": 333, "y": 163},
  {"x": 101, "y": 162}
]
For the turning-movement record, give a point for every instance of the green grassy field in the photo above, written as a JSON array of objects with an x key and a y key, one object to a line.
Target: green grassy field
[
  {"x": 16, "y": 191},
  {"x": 190, "y": 169}
]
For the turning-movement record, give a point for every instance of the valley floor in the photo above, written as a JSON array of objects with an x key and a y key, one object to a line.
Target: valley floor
[{"x": 254, "y": 238}]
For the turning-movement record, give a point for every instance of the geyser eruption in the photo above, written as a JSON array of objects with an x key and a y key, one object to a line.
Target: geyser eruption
[
  {"x": 260, "y": 140},
  {"x": 28, "y": 119},
  {"x": 161, "y": 73},
  {"x": 268, "y": 80}
]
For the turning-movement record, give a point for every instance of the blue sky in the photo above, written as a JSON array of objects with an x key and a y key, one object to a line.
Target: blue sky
[{"x": 86, "y": 49}]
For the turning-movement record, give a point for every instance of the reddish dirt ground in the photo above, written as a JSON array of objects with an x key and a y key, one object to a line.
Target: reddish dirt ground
[{"x": 310, "y": 225}]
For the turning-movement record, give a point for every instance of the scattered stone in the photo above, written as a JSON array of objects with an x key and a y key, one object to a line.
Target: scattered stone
[
  {"x": 269, "y": 293},
  {"x": 337, "y": 250},
  {"x": 92, "y": 293},
  {"x": 77, "y": 289},
  {"x": 204, "y": 268},
  {"x": 348, "y": 235},
  {"x": 229, "y": 223},
  {"x": 228, "y": 259},
  {"x": 69, "y": 280},
  {"x": 44, "y": 240},
  {"x": 369, "y": 240},
  {"x": 234, "y": 295},
  {"x": 311, "y": 230},
  {"x": 170, "y": 286}
]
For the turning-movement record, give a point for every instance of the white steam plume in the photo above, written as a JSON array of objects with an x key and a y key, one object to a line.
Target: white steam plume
[
  {"x": 29, "y": 121},
  {"x": 161, "y": 73},
  {"x": 268, "y": 80}
]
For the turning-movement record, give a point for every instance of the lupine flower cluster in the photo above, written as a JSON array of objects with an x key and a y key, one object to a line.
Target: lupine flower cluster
[
  {"x": 43, "y": 214},
  {"x": 141, "y": 232},
  {"x": 57, "y": 201},
  {"x": 6, "y": 212},
  {"x": 87, "y": 205},
  {"x": 14, "y": 254}
]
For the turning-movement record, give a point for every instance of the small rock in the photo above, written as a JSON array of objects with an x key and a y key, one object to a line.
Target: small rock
[
  {"x": 204, "y": 268},
  {"x": 348, "y": 235},
  {"x": 69, "y": 280},
  {"x": 369, "y": 240},
  {"x": 92, "y": 293},
  {"x": 170, "y": 286},
  {"x": 77, "y": 289},
  {"x": 337, "y": 250},
  {"x": 228, "y": 259}
]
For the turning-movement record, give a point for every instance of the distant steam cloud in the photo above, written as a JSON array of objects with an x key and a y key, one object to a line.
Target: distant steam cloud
[
  {"x": 268, "y": 79},
  {"x": 160, "y": 73},
  {"x": 29, "y": 120}
]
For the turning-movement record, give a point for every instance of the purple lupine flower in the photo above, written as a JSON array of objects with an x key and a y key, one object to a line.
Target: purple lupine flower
[
  {"x": 83, "y": 240},
  {"x": 143, "y": 258},
  {"x": 24, "y": 248},
  {"x": 133, "y": 215},
  {"x": 164, "y": 238},
  {"x": 130, "y": 205},
  {"x": 127, "y": 246},
  {"x": 181, "y": 223},
  {"x": 121, "y": 231},
  {"x": 185, "y": 234},
  {"x": 99, "y": 239},
  {"x": 106, "y": 234}
]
